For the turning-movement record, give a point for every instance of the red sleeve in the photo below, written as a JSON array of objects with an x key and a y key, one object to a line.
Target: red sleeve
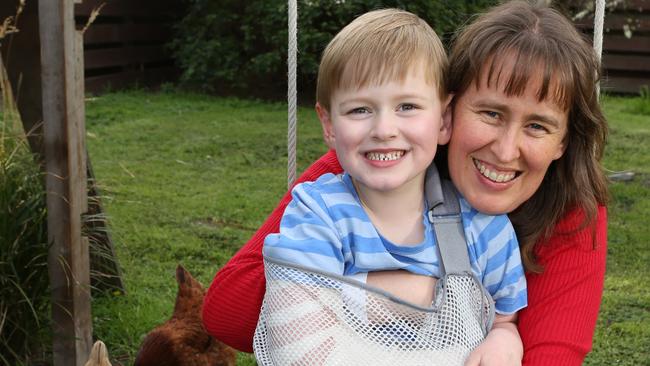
[
  {"x": 232, "y": 304},
  {"x": 558, "y": 325}
]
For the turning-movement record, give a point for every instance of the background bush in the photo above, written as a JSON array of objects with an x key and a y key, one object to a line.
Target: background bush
[
  {"x": 240, "y": 47},
  {"x": 24, "y": 295}
]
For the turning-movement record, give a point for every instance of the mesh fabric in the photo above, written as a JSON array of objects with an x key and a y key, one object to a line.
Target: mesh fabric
[{"x": 311, "y": 318}]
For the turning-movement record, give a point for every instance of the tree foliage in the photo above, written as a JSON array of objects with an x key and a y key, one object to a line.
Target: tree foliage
[{"x": 237, "y": 46}]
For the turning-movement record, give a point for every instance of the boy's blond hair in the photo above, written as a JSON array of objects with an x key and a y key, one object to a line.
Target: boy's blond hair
[{"x": 377, "y": 47}]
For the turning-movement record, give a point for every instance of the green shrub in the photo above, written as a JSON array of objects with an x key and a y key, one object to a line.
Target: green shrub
[
  {"x": 233, "y": 46},
  {"x": 24, "y": 295}
]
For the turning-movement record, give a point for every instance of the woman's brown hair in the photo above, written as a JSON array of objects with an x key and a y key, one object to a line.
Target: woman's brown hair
[{"x": 540, "y": 36}]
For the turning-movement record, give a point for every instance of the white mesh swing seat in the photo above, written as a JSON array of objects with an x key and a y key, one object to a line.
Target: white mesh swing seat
[{"x": 316, "y": 318}]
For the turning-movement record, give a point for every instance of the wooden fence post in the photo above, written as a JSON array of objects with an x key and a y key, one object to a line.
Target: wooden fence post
[{"x": 65, "y": 163}]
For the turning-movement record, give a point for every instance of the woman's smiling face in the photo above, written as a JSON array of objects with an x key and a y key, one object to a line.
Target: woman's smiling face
[{"x": 502, "y": 145}]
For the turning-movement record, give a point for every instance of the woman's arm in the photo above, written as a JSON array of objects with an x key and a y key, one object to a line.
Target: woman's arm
[
  {"x": 558, "y": 325},
  {"x": 232, "y": 303}
]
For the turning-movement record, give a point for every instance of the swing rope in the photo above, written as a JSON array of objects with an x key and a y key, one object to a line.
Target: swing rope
[
  {"x": 599, "y": 20},
  {"x": 292, "y": 61}
]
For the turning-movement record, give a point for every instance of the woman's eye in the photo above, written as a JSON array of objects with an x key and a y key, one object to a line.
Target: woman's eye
[
  {"x": 537, "y": 127},
  {"x": 491, "y": 114}
]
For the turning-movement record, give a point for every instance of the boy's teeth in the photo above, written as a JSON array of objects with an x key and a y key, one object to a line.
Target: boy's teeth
[
  {"x": 393, "y": 155},
  {"x": 493, "y": 175}
]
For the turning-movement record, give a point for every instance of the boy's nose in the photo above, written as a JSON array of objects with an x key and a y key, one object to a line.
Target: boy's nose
[{"x": 384, "y": 127}]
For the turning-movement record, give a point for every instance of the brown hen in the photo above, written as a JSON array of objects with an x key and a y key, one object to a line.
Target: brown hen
[{"x": 182, "y": 340}]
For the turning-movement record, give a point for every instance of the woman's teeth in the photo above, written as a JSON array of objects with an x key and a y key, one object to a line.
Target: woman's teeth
[
  {"x": 394, "y": 155},
  {"x": 494, "y": 176}
]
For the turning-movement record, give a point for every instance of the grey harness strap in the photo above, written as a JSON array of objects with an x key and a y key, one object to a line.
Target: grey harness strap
[{"x": 444, "y": 214}]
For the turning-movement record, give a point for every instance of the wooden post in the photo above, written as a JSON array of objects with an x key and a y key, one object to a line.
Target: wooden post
[
  {"x": 21, "y": 54},
  {"x": 65, "y": 163}
]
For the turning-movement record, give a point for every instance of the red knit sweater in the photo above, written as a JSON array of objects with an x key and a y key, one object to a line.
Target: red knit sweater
[{"x": 556, "y": 328}]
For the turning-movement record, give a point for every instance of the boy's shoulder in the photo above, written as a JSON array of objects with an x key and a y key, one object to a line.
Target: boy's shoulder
[
  {"x": 329, "y": 188},
  {"x": 487, "y": 233},
  {"x": 332, "y": 193},
  {"x": 329, "y": 179},
  {"x": 326, "y": 183},
  {"x": 475, "y": 218},
  {"x": 466, "y": 208}
]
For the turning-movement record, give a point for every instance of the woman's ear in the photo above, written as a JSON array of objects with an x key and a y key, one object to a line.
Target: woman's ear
[
  {"x": 445, "y": 121},
  {"x": 560, "y": 149},
  {"x": 326, "y": 124}
]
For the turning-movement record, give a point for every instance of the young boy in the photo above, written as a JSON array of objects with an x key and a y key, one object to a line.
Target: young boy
[{"x": 383, "y": 106}]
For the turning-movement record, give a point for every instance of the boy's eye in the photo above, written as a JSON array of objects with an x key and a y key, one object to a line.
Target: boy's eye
[
  {"x": 359, "y": 110},
  {"x": 405, "y": 107}
]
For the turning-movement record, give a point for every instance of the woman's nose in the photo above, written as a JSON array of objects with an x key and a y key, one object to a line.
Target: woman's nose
[{"x": 506, "y": 145}]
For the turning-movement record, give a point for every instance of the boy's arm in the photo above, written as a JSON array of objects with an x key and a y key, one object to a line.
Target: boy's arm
[
  {"x": 496, "y": 260},
  {"x": 232, "y": 303},
  {"x": 308, "y": 235},
  {"x": 411, "y": 287},
  {"x": 501, "y": 347},
  {"x": 504, "y": 278}
]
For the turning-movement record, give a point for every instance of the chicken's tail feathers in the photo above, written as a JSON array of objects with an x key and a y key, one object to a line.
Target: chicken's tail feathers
[
  {"x": 181, "y": 274},
  {"x": 98, "y": 355},
  {"x": 188, "y": 286}
]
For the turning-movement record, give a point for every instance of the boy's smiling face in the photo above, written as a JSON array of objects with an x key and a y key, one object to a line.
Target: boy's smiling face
[{"x": 385, "y": 136}]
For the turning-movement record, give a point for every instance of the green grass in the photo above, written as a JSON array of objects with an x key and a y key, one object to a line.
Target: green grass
[
  {"x": 188, "y": 178},
  {"x": 23, "y": 252},
  {"x": 623, "y": 331}
]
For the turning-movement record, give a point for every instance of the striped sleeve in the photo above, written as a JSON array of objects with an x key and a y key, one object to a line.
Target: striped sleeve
[
  {"x": 496, "y": 260},
  {"x": 308, "y": 235},
  {"x": 504, "y": 275}
]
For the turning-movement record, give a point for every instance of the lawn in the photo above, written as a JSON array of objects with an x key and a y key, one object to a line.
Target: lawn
[{"x": 187, "y": 178}]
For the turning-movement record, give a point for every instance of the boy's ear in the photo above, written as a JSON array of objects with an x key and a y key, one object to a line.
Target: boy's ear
[
  {"x": 445, "y": 121},
  {"x": 326, "y": 124}
]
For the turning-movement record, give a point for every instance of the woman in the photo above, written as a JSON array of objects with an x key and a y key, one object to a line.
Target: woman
[{"x": 525, "y": 108}]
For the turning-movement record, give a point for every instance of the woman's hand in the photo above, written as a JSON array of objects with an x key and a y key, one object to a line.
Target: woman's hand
[{"x": 501, "y": 347}]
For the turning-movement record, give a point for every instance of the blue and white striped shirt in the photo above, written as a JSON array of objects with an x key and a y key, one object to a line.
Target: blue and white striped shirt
[{"x": 325, "y": 227}]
